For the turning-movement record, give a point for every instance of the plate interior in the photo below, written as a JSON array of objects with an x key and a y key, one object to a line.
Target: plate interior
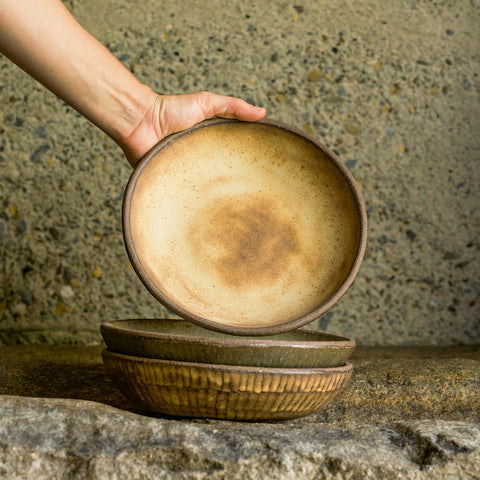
[{"x": 243, "y": 224}]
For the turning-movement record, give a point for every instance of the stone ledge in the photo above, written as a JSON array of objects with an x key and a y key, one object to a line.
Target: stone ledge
[
  {"x": 407, "y": 413},
  {"x": 60, "y": 439},
  {"x": 388, "y": 383}
]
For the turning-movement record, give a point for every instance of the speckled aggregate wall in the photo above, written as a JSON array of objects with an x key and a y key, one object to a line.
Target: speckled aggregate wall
[{"x": 391, "y": 86}]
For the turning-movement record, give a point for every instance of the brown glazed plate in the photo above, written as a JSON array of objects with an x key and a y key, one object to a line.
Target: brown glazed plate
[
  {"x": 224, "y": 391},
  {"x": 181, "y": 340},
  {"x": 245, "y": 228}
]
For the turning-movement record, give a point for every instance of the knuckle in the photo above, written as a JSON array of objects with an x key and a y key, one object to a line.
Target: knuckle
[{"x": 204, "y": 99}]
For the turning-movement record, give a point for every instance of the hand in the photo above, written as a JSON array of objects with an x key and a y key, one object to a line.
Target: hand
[{"x": 172, "y": 113}]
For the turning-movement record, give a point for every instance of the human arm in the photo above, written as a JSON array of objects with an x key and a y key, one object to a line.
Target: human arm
[{"x": 43, "y": 38}]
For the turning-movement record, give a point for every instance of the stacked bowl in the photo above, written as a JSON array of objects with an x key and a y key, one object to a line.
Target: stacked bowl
[
  {"x": 178, "y": 368},
  {"x": 248, "y": 231}
]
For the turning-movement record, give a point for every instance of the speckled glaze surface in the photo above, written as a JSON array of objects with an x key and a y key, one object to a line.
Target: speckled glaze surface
[
  {"x": 222, "y": 391},
  {"x": 246, "y": 228},
  {"x": 181, "y": 340}
]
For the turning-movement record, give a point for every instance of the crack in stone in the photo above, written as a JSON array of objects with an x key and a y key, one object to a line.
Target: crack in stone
[{"x": 422, "y": 449}]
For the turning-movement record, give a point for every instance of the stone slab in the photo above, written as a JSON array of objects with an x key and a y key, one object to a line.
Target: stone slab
[
  {"x": 61, "y": 439},
  {"x": 406, "y": 413}
]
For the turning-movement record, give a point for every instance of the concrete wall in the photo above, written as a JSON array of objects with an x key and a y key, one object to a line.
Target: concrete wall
[{"x": 391, "y": 86}]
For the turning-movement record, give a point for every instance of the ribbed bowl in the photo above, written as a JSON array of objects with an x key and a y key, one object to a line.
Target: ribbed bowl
[
  {"x": 184, "y": 341},
  {"x": 224, "y": 391}
]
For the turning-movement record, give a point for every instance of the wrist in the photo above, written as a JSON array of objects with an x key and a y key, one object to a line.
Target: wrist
[
  {"x": 129, "y": 108},
  {"x": 134, "y": 129}
]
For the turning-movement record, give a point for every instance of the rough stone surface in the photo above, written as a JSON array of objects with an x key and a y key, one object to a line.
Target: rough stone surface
[
  {"x": 407, "y": 413},
  {"x": 391, "y": 86},
  {"x": 61, "y": 439}
]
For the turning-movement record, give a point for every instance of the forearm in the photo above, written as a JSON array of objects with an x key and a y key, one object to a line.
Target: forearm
[{"x": 43, "y": 39}]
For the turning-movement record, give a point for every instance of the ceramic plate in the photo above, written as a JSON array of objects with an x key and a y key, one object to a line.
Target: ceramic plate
[
  {"x": 184, "y": 341},
  {"x": 245, "y": 228}
]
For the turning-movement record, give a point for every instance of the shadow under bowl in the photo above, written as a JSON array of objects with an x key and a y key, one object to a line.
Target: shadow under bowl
[
  {"x": 224, "y": 391},
  {"x": 181, "y": 340}
]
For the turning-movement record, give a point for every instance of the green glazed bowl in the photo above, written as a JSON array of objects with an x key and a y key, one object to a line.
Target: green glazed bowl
[{"x": 180, "y": 340}]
